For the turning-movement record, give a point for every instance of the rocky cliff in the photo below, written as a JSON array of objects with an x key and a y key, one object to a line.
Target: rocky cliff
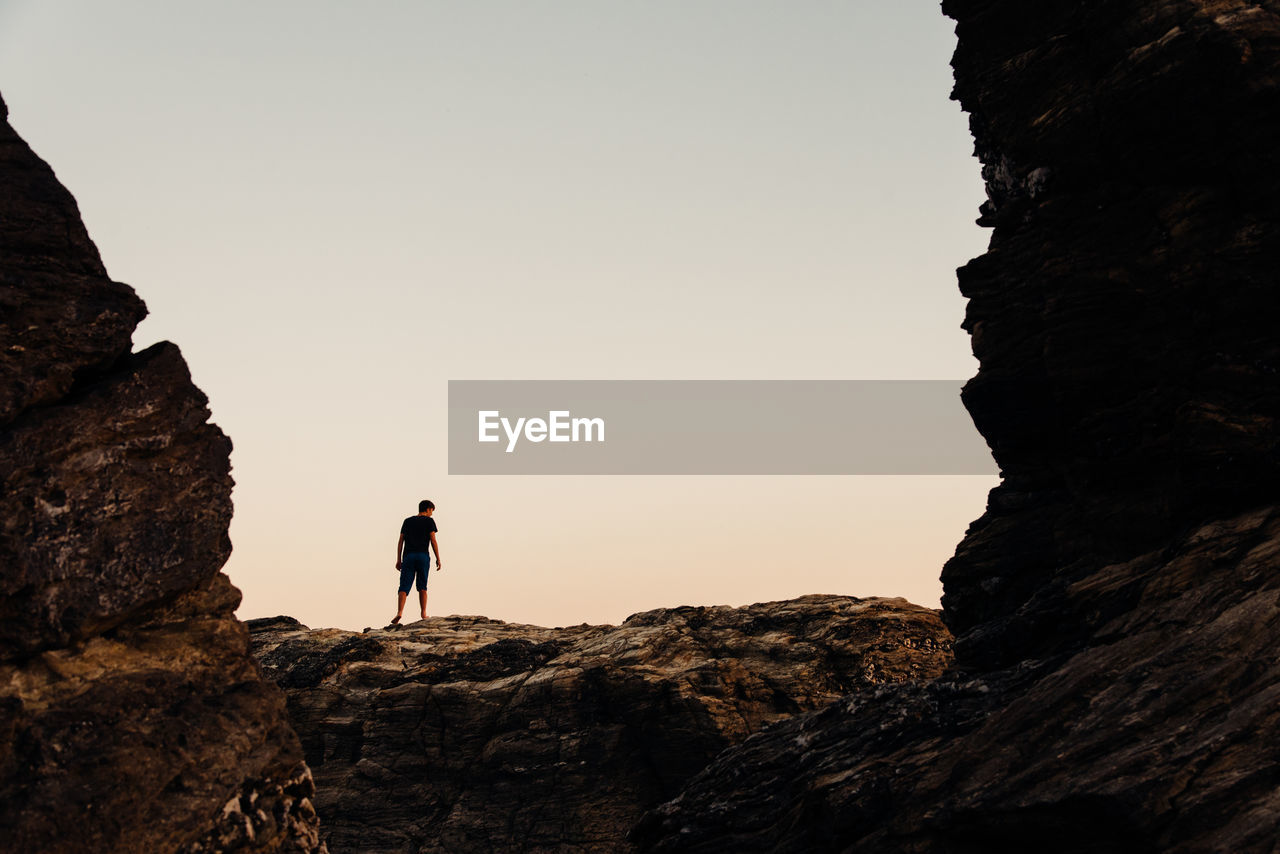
[
  {"x": 131, "y": 715},
  {"x": 1117, "y": 607},
  {"x": 466, "y": 734}
]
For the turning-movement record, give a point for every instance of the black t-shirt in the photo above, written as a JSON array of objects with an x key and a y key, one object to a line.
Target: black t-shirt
[{"x": 417, "y": 533}]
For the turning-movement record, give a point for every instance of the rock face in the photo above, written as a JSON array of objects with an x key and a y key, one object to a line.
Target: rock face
[
  {"x": 131, "y": 715},
  {"x": 465, "y": 734},
  {"x": 1117, "y": 607}
]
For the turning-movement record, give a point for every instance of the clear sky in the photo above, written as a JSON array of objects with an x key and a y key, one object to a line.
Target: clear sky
[{"x": 334, "y": 208}]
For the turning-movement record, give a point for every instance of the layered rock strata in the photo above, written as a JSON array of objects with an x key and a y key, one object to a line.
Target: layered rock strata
[
  {"x": 1117, "y": 607},
  {"x": 131, "y": 715},
  {"x": 466, "y": 734}
]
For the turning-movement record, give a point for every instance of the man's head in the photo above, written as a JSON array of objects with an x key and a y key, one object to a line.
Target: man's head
[{"x": 425, "y": 506}]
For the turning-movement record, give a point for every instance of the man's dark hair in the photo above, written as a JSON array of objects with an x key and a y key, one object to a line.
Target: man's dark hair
[{"x": 425, "y": 505}]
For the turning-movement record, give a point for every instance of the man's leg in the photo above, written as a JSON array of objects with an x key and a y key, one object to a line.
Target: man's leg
[
  {"x": 422, "y": 600},
  {"x": 400, "y": 604}
]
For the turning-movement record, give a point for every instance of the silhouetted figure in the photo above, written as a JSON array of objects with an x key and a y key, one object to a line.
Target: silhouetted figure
[{"x": 413, "y": 556}]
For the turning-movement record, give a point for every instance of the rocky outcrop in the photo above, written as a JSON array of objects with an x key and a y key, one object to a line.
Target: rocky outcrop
[
  {"x": 1117, "y": 607},
  {"x": 468, "y": 734},
  {"x": 131, "y": 715}
]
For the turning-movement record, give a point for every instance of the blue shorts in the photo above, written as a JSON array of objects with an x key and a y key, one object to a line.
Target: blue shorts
[{"x": 414, "y": 565}]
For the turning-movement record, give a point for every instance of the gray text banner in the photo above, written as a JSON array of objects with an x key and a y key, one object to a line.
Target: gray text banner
[{"x": 708, "y": 427}]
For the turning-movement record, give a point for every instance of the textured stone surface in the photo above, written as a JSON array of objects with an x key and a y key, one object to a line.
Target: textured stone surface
[
  {"x": 116, "y": 499},
  {"x": 1117, "y": 607},
  {"x": 132, "y": 717},
  {"x": 1124, "y": 315},
  {"x": 466, "y": 734}
]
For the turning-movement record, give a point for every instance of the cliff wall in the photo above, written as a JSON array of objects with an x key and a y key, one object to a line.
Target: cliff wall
[
  {"x": 132, "y": 718},
  {"x": 1117, "y": 607}
]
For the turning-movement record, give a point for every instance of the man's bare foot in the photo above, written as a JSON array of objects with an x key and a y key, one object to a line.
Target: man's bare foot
[{"x": 396, "y": 621}]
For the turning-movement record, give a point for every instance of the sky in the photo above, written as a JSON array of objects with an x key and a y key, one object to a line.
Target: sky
[{"x": 336, "y": 208}]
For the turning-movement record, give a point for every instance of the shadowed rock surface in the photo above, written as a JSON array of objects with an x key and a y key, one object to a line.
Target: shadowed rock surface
[
  {"x": 468, "y": 734},
  {"x": 1117, "y": 607},
  {"x": 132, "y": 718}
]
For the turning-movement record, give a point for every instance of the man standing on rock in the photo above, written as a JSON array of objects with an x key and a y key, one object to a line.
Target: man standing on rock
[{"x": 413, "y": 556}]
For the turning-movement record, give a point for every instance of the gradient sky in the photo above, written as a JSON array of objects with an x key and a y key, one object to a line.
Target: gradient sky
[{"x": 334, "y": 208}]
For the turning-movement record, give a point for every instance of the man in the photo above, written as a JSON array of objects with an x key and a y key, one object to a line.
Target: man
[{"x": 413, "y": 556}]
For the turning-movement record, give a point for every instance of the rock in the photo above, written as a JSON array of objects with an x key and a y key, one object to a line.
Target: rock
[
  {"x": 468, "y": 734},
  {"x": 1124, "y": 316},
  {"x": 132, "y": 718},
  {"x": 51, "y": 280},
  {"x": 1116, "y": 608},
  {"x": 116, "y": 500}
]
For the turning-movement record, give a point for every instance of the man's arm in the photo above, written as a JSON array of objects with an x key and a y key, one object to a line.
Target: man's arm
[
  {"x": 435, "y": 546},
  {"x": 399, "y": 549}
]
